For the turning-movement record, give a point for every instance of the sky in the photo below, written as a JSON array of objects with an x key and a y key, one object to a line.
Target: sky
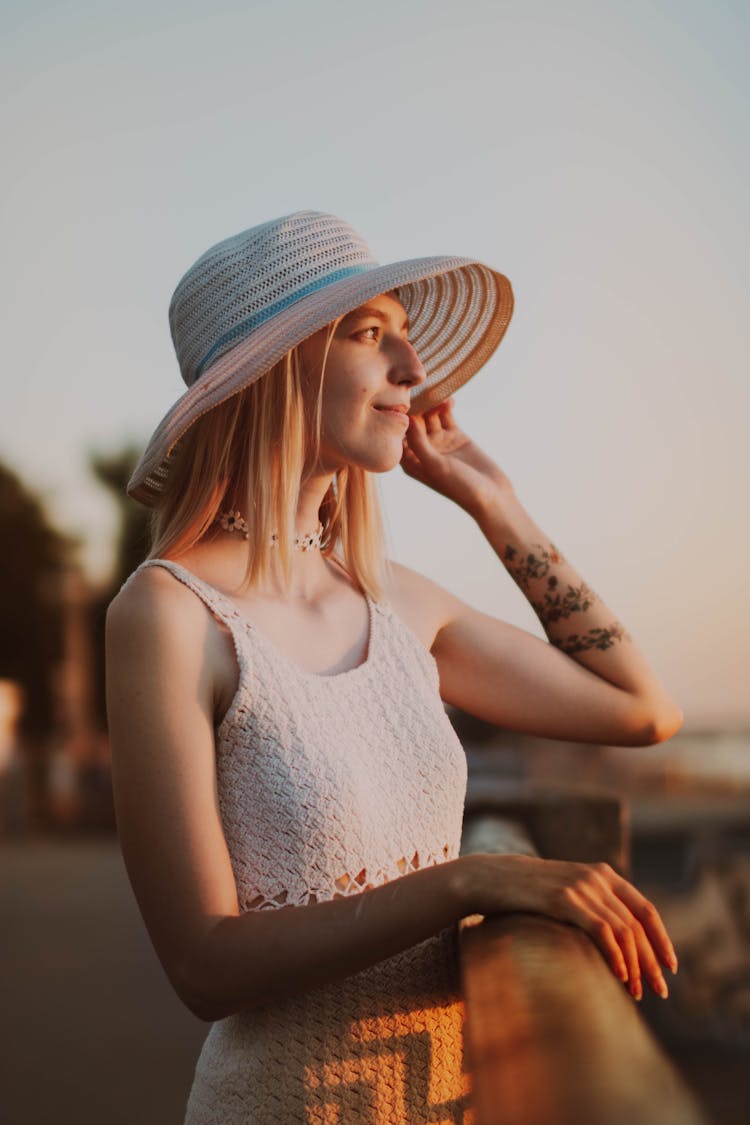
[{"x": 596, "y": 153}]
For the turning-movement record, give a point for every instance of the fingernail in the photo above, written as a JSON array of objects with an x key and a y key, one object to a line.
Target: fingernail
[
  {"x": 661, "y": 986},
  {"x": 673, "y": 963},
  {"x": 635, "y": 990}
]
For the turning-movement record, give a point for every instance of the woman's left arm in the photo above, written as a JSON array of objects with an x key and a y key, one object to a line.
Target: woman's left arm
[{"x": 592, "y": 681}]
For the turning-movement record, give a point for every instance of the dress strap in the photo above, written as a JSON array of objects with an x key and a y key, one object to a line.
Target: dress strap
[
  {"x": 216, "y": 601},
  {"x": 219, "y": 605}
]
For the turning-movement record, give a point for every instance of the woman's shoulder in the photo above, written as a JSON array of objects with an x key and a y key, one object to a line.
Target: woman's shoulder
[
  {"x": 152, "y": 600},
  {"x": 145, "y": 583},
  {"x": 405, "y": 582},
  {"x": 421, "y": 602}
]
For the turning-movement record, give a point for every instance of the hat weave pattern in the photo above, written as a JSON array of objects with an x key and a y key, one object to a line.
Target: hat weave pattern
[
  {"x": 252, "y": 297},
  {"x": 213, "y": 307}
]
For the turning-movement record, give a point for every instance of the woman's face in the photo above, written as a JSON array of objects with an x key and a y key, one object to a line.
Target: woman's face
[{"x": 370, "y": 365}]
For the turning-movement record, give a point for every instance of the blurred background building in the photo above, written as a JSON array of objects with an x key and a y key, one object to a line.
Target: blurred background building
[{"x": 54, "y": 759}]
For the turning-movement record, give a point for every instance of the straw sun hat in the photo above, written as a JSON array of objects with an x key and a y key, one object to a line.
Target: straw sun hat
[{"x": 250, "y": 298}]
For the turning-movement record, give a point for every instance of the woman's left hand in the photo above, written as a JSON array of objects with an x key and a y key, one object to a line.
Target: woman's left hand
[{"x": 442, "y": 456}]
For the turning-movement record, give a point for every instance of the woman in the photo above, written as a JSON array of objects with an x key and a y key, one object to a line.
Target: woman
[{"x": 289, "y": 789}]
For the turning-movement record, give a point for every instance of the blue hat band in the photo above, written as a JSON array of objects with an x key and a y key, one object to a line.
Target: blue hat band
[{"x": 250, "y": 323}]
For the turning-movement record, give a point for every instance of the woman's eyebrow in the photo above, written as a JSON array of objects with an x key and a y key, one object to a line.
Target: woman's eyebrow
[{"x": 368, "y": 310}]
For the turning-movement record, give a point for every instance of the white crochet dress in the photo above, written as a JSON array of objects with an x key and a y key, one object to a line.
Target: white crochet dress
[{"x": 330, "y": 786}]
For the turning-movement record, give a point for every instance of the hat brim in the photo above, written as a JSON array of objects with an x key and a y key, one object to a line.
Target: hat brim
[{"x": 458, "y": 311}]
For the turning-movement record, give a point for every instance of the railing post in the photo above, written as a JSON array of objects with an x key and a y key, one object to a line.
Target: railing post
[{"x": 552, "y": 1037}]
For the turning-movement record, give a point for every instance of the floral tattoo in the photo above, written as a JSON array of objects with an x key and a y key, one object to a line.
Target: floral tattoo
[
  {"x": 594, "y": 638},
  {"x": 531, "y": 566},
  {"x": 556, "y": 605}
]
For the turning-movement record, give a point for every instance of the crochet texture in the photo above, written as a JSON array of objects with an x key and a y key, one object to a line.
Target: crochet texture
[{"x": 329, "y": 786}]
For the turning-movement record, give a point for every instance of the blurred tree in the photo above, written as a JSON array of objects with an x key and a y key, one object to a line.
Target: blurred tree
[
  {"x": 35, "y": 554},
  {"x": 113, "y": 470}
]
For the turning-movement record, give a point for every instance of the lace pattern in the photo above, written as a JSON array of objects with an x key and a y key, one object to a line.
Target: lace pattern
[
  {"x": 347, "y": 884},
  {"x": 330, "y": 786}
]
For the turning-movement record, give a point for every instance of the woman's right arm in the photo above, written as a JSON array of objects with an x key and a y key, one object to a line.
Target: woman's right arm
[
  {"x": 160, "y": 710},
  {"x": 160, "y": 706}
]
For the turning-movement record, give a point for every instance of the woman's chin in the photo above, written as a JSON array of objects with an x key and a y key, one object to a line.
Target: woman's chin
[
  {"x": 378, "y": 457},
  {"x": 385, "y": 466}
]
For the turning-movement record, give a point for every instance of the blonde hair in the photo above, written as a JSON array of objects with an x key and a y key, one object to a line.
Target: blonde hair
[{"x": 260, "y": 445}]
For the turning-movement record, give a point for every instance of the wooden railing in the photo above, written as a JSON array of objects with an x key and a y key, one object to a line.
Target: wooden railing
[{"x": 552, "y": 1037}]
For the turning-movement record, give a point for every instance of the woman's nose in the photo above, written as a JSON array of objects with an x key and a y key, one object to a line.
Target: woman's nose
[{"x": 407, "y": 364}]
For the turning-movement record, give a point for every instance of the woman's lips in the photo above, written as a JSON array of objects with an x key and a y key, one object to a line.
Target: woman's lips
[{"x": 394, "y": 414}]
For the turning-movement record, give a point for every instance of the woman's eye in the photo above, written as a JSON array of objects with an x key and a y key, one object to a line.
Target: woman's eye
[{"x": 372, "y": 328}]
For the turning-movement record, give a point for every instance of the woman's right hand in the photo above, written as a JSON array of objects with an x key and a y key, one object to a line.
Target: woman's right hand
[{"x": 623, "y": 923}]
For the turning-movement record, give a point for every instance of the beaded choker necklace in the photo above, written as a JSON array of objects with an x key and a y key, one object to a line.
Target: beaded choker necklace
[{"x": 306, "y": 541}]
